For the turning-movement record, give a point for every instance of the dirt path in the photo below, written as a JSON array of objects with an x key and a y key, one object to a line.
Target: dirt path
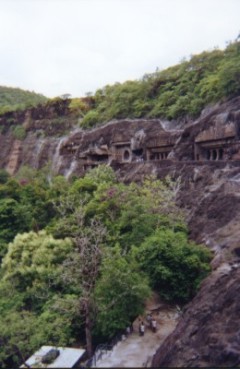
[{"x": 137, "y": 351}]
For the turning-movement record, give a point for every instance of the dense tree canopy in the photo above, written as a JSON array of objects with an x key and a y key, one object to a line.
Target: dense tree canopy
[
  {"x": 81, "y": 257},
  {"x": 174, "y": 265},
  {"x": 30, "y": 281},
  {"x": 119, "y": 293}
]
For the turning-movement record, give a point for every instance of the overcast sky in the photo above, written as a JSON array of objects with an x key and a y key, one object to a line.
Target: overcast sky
[{"x": 77, "y": 46}]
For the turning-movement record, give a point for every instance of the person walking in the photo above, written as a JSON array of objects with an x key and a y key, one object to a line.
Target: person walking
[
  {"x": 154, "y": 325},
  {"x": 149, "y": 319},
  {"x": 142, "y": 329}
]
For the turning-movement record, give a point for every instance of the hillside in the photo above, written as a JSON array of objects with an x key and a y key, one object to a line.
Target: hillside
[
  {"x": 179, "y": 92},
  {"x": 15, "y": 98}
]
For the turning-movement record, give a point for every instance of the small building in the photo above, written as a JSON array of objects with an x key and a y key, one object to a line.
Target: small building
[{"x": 67, "y": 357}]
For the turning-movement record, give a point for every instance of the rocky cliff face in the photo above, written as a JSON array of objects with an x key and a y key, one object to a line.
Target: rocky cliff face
[
  {"x": 208, "y": 331},
  {"x": 205, "y": 156},
  {"x": 36, "y": 142}
]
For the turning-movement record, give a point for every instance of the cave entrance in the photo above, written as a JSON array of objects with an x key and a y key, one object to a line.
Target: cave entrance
[
  {"x": 220, "y": 157},
  {"x": 100, "y": 158},
  {"x": 126, "y": 155},
  {"x": 214, "y": 154},
  {"x": 138, "y": 152}
]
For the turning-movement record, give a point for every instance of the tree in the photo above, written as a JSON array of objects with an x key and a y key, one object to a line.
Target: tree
[
  {"x": 23, "y": 331},
  {"x": 174, "y": 265},
  {"x": 81, "y": 269},
  {"x": 120, "y": 293},
  {"x": 12, "y": 221},
  {"x": 16, "y": 329},
  {"x": 229, "y": 77},
  {"x": 133, "y": 212},
  {"x": 90, "y": 119},
  {"x": 78, "y": 107},
  {"x": 32, "y": 265},
  {"x": 30, "y": 282}
]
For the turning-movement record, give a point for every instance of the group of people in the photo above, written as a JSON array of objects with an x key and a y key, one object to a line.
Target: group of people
[
  {"x": 140, "y": 159},
  {"x": 152, "y": 324}
]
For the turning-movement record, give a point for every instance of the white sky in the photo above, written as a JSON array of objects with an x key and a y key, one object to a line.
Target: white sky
[{"x": 76, "y": 46}]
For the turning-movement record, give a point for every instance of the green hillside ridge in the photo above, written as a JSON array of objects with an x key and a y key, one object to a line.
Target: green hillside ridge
[
  {"x": 17, "y": 99},
  {"x": 179, "y": 91}
]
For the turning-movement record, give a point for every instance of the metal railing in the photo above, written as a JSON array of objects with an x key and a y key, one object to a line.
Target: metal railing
[{"x": 102, "y": 349}]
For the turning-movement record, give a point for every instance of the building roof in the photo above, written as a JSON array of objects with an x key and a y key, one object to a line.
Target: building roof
[{"x": 67, "y": 359}]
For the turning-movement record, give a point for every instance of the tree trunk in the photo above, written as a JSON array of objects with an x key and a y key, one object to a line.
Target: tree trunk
[
  {"x": 88, "y": 332},
  {"x": 22, "y": 357}
]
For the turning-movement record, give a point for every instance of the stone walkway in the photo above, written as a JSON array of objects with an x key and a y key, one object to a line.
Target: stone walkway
[{"x": 136, "y": 351}]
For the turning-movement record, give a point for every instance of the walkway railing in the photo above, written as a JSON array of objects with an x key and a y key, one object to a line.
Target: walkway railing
[{"x": 102, "y": 349}]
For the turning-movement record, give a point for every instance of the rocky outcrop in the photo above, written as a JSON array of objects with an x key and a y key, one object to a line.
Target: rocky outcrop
[
  {"x": 217, "y": 128},
  {"x": 41, "y": 130},
  {"x": 208, "y": 332},
  {"x": 51, "y": 136}
]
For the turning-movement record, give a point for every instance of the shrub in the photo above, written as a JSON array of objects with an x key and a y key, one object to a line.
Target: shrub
[
  {"x": 90, "y": 119},
  {"x": 4, "y": 176},
  {"x": 19, "y": 132}
]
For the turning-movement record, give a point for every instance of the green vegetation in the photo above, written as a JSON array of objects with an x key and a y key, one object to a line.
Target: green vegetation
[
  {"x": 19, "y": 132},
  {"x": 176, "y": 92},
  {"x": 174, "y": 265},
  {"x": 17, "y": 99},
  {"x": 79, "y": 259},
  {"x": 78, "y": 107},
  {"x": 4, "y": 176}
]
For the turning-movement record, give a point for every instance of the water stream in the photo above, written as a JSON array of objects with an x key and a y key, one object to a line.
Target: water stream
[
  {"x": 71, "y": 169},
  {"x": 57, "y": 158}
]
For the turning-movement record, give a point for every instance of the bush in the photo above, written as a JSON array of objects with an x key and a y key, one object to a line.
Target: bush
[
  {"x": 90, "y": 119},
  {"x": 4, "y": 176},
  {"x": 78, "y": 107},
  {"x": 19, "y": 132}
]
